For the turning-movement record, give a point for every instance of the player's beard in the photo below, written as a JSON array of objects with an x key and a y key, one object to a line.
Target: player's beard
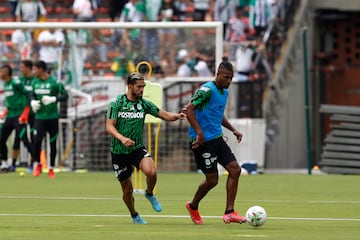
[{"x": 137, "y": 95}]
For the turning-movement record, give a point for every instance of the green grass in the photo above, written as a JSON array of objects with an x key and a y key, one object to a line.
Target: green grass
[{"x": 89, "y": 206}]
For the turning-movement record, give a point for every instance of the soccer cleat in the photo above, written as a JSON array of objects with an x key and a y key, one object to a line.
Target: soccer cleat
[
  {"x": 138, "y": 220},
  {"x": 51, "y": 173},
  {"x": 233, "y": 217},
  {"x": 194, "y": 214},
  {"x": 154, "y": 202},
  {"x": 37, "y": 170}
]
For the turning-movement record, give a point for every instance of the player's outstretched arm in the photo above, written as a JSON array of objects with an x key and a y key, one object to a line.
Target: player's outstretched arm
[{"x": 168, "y": 116}]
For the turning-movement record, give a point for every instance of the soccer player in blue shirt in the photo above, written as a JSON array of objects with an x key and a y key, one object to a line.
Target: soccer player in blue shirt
[{"x": 205, "y": 113}]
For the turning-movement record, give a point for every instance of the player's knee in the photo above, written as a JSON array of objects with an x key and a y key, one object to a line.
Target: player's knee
[
  {"x": 233, "y": 169},
  {"x": 212, "y": 182},
  {"x": 151, "y": 172}
]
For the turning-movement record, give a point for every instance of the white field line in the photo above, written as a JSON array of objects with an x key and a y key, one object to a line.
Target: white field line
[
  {"x": 119, "y": 198},
  {"x": 163, "y": 216}
]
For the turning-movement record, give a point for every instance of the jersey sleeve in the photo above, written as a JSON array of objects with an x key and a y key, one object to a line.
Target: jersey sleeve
[
  {"x": 112, "y": 110},
  {"x": 62, "y": 93},
  {"x": 20, "y": 90},
  {"x": 201, "y": 97},
  {"x": 151, "y": 108}
]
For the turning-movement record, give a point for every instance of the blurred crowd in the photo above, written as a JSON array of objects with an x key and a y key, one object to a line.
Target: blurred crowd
[{"x": 171, "y": 52}]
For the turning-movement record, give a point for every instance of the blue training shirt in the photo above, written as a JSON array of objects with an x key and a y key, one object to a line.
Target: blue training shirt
[{"x": 210, "y": 105}]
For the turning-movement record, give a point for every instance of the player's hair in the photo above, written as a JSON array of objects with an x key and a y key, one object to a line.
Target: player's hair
[
  {"x": 226, "y": 64},
  {"x": 27, "y": 63},
  {"x": 133, "y": 77},
  {"x": 41, "y": 64},
  {"x": 8, "y": 68}
]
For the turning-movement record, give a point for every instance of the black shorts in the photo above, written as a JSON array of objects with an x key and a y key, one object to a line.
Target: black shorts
[
  {"x": 212, "y": 152},
  {"x": 123, "y": 163}
]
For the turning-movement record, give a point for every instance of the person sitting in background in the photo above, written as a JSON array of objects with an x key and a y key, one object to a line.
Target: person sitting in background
[
  {"x": 22, "y": 43},
  {"x": 167, "y": 37},
  {"x": 85, "y": 10},
  {"x": 186, "y": 64},
  {"x": 12, "y": 7},
  {"x": 122, "y": 65},
  {"x": 50, "y": 42},
  {"x": 244, "y": 56},
  {"x": 202, "y": 69},
  {"x": 25, "y": 11},
  {"x": 239, "y": 27},
  {"x": 4, "y": 49},
  {"x": 201, "y": 8}
]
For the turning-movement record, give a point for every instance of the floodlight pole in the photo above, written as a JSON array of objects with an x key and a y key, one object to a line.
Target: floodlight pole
[{"x": 307, "y": 105}]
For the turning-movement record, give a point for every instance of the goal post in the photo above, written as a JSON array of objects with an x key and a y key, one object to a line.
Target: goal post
[{"x": 84, "y": 142}]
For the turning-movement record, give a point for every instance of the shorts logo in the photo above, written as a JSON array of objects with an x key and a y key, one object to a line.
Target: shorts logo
[
  {"x": 206, "y": 155},
  {"x": 117, "y": 170},
  {"x": 209, "y": 161}
]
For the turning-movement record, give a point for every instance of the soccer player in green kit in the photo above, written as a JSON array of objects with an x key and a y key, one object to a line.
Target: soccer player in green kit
[
  {"x": 26, "y": 77},
  {"x": 125, "y": 123},
  {"x": 16, "y": 111},
  {"x": 46, "y": 93}
]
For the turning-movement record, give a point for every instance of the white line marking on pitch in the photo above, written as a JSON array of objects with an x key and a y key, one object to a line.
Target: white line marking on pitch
[
  {"x": 119, "y": 198},
  {"x": 162, "y": 216}
]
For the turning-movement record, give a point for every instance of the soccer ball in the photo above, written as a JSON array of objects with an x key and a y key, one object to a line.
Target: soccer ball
[{"x": 256, "y": 216}]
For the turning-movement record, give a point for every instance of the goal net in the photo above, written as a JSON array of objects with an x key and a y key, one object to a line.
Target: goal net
[{"x": 93, "y": 59}]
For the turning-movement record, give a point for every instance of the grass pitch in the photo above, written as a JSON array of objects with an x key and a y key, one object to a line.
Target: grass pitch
[{"x": 89, "y": 206}]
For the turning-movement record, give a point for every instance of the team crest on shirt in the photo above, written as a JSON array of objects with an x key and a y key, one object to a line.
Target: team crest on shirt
[{"x": 138, "y": 107}]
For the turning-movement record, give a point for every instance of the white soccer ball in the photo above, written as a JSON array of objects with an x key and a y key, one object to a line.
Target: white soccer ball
[{"x": 256, "y": 216}]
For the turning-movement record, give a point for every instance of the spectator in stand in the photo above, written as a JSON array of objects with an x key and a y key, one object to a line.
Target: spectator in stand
[
  {"x": 151, "y": 36},
  {"x": 12, "y": 7},
  {"x": 185, "y": 68},
  {"x": 98, "y": 49},
  {"x": 239, "y": 27},
  {"x": 85, "y": 10},
  {"x": 224, "y": 10},
  {"x": 167, "y": 37},
  {"x": 246, "y": 6},
  {"x": 51, "y": 42},
  {"x": 115, "y": 9},
  {"x": 201, "y": 8},
  {"x": 79, "y": 41},
  {"x": 30, "y": 11},
  {"x": 245, "y": 54},
  {"x": 22, "y": 43},
  {"x": 181, "y": 6},
  {"x": 202, "y": 69},
  {"x": 122, "y": 65},
  {"x": 16, "y": 114},
  {"x": 260, "y": 15},
  {"x": 4, "y": 50},
  {"x": 133, "y": 11}
]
